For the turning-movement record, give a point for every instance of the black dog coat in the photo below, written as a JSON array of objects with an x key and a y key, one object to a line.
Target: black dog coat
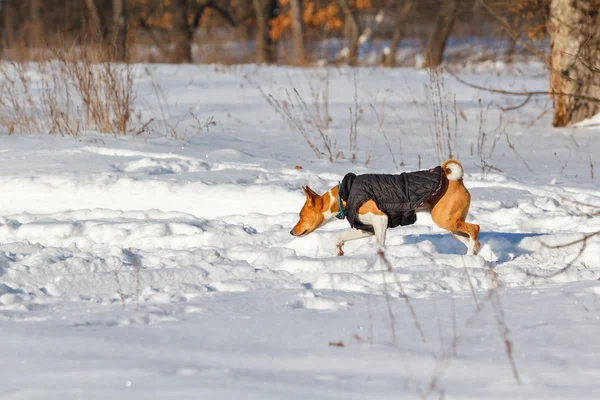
[{"x": 398, "y": 196}]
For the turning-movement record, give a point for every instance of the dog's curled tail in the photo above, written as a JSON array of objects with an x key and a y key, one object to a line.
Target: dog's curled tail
[{"x": 454, "y": 171}]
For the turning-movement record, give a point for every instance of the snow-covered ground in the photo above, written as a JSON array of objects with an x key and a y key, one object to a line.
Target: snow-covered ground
[{"x": 161, "y": 265}]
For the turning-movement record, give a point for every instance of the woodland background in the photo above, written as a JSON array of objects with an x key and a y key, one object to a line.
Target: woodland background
[{"x": 563, "y": 33}]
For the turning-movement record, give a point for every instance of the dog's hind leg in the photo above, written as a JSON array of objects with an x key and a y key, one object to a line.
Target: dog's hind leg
[
  {"x": 461, "y": 237},
  {"x": 350, "y": 235},
  {"x": 467, "y": 233},
  {"x": 471, "y": 245},
  {"x": 463, "y": 231}
]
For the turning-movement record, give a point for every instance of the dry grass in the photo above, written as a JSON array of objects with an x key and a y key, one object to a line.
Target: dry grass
[
  {"x": 311, "y": 122},
  {"x": 299, "y": 117},
  {"x": 309, "y": 116},
  {"x": 449, "y": 354},
  {"x": 79, "y": 90},
  {"x": 500, "y": 317},
  {"x": 18, "y": 107},
  {"x": 105, "y": 88},
  {"x": 403, "y": 294},
  {"x": 449, "y": 347},
  {"x": 445, "y": 133},
  {"x": 136, "y": 268},
  {"x": 117, "y": 266},
  {"x": 380, "y": 124},
  {"x": 485, "y": 149},
  {"x": 319, "y": 93},
  {"x": 354, "y": 118}
]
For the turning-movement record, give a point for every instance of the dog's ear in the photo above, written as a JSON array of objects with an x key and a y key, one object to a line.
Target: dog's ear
[{"x": 310, "y": 195}]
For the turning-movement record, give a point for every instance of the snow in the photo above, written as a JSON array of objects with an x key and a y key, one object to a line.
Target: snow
[
  {"x": 593, "y": 121},
  {"x": 161, "y": 265}
]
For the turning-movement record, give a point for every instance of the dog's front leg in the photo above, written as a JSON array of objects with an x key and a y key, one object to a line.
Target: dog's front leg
[
  {"x": 349, "y": 235},
  {"x": 380, "y": 224}
]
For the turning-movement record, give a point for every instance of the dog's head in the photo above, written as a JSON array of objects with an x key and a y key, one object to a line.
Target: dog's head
[{"x": 311, "y": 215}]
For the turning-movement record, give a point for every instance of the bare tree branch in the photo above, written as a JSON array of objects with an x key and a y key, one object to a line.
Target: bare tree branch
[
  {"x": 583, "y": 240},
  {"x": 158, "y": 41},
  {"x": 526, "y": 93},
  {"x": 512, "y": 108},
  {"x": 509, "y": 30},
  {"x": 211, "y": 4}
]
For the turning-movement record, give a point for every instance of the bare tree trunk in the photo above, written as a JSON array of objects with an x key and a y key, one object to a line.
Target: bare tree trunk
[
  {"x": 574, "y": 58},
  {"x": 404, "y": 11},
  {"x": 434, "y": 53},
  {"x": 266, "y": 47},
  {"x": 352, "y": 32},
  {"x": 8, "y": 29},
  {"x": 509, "y": 56},
  {"x": 182, "y": 38},
  {"x": 35, "y": 32},
  {"x": 511, "y": 49},
  {"x": 120, "y": 29},
  {"x": 97, "y": 27},
  {"x": 298, "y": 32}
]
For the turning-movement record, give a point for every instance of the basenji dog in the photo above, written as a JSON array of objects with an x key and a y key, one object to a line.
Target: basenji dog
[{"x": 448, "y": 205}]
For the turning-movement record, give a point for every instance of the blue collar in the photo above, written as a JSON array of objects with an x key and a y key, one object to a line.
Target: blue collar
[{"x": 341, "y": 214}]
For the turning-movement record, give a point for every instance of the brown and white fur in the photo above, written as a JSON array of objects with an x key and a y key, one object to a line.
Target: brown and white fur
[{"x": 448, "y": 208}]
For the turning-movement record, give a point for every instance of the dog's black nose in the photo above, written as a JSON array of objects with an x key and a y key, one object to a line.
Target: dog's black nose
[{"x": 292, "y": 232}]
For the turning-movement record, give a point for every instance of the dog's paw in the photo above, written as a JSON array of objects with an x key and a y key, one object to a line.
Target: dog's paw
[
  {"x": 474, "y": 250},
  {"x": 339, "y": 250}
]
